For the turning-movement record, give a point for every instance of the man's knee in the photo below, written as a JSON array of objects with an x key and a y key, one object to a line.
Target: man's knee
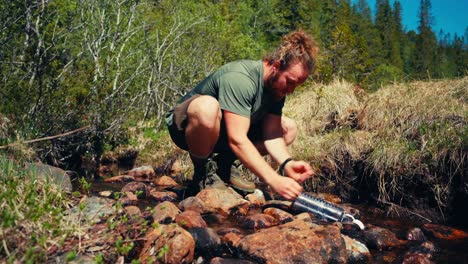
[
  {"x": 204, "y": 111},
  {"x": 289, "y": 129}
]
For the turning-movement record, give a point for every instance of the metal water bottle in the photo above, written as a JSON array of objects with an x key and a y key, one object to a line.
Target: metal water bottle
[{"x": 308, "y": 203}]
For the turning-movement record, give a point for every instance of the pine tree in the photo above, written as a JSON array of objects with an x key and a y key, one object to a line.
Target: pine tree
[
  {"x": 395, "y": 53},
  {"x": 426, "y": 44}
]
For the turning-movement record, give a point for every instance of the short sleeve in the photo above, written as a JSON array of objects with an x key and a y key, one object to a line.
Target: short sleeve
[{"x": 237, "y": 93}]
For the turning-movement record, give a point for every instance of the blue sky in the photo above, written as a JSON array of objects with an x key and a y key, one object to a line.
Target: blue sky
[{"x": 449, "y": 15}]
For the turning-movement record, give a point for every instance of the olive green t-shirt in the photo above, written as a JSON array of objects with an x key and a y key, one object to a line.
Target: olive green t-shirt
[{"x": 238, "y": 87}]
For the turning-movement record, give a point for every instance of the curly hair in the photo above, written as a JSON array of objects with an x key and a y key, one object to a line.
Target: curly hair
[{"x": 296, "y": 46}]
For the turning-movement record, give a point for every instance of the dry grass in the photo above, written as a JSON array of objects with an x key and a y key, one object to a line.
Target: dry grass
[{"x": 408, "y": 138}]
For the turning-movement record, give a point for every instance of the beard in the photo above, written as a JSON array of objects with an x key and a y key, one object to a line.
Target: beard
[{"x": 270, "y": 86}]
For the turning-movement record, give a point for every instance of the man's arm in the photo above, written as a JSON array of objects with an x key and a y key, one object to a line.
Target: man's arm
[
  {"x": 237, "y": 127},
  {"x": 276, "y": 146}
]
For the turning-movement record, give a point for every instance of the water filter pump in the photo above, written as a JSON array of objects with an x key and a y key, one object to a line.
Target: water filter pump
[{"x": 308, "y": 203}]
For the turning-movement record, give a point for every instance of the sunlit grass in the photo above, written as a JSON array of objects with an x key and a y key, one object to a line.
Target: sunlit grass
[{"x": 32, "y": 215}]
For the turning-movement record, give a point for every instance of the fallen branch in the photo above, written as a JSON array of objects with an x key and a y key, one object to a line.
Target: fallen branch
[{"x": 46, "y": 138}]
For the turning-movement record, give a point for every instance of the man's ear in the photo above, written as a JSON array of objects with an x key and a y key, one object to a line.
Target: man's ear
[{"x": 276, "y": 65}]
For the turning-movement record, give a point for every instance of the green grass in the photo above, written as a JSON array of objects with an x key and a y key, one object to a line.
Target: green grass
[{"x": 32, "y": 215}]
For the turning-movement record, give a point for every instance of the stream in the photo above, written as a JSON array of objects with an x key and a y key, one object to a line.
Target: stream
[{"x": 448, "y": 251}]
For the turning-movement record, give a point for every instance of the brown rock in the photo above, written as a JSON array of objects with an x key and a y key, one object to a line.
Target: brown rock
[
  {"x": 170, "y": 243},
  {"x": 295, "y": 242},
  {"x": 133, "y": 211},
  {"x": 161, "y": 196},
  {"x": 258, "y": 221},
  {"x": 444, "y": 232},
  {"x": 231, "y": 239},
  {"x": 137, "y": 188},
  {"x": 120, "y": 178},
  {"x": 190, "y": 219},
  {"x": 165, "y": 212},
  {"x": 228, "y": 230},
  {"x": 280, "y": 215},
  {"x": 144, "y": 173},
  {"x": 195, "y": 204},
  {"x": 165, "y": 181},
  {"x": 256, "y": 199},
  {"x": 381, "y": 238},
  {"x": 223, "y": 200},
  {"x": 128, "y": 199}
]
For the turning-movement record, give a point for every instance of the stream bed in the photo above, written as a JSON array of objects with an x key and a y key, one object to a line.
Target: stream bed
[{"x": 447, "y": 250}]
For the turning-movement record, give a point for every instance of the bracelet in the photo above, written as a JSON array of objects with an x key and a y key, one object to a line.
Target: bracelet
[{"x": 281, "y": 167}]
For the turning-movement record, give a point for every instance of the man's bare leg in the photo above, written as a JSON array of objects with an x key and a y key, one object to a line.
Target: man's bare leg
[
  {"x": 289, "y": 134},
  {"x": 202, "y": 133}
]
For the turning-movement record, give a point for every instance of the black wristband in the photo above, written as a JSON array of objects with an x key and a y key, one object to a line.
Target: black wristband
[{"x": 281, "y": 167}]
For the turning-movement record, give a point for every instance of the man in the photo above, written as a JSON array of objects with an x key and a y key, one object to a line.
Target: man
[{"x": 237, "y": 112}]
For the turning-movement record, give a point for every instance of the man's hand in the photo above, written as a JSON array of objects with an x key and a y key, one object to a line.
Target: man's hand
[
  {"x": 286, "y": 187},
  {"x": 298, "y": 170}
]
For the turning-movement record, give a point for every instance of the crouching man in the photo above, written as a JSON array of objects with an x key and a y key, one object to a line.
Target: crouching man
[{"x": 237, "y": 112}]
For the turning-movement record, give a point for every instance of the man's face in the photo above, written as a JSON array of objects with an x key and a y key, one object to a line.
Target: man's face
[{"x": 284, "y": 82}]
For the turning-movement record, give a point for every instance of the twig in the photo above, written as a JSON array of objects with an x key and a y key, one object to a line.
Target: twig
[{"x": 46, "y": 138}]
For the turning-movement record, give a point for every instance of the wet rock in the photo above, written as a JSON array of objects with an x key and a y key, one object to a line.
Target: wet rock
[
  {"x": 214, "y": 218},
  {"x": 94, "y": 209},
  {"x": 295, "y": 242},
  {"x": 161, "y": 196},
  {"x": 170, "y": 243},
  {"x": 219, "y": 260},
  {"x": 381, "y": 238},
  {"x": 416, "y": 258},
  {"x": 195, "y": 204},
  {"x": 165, "y": 213},
  {"x": 165, "y": 181},
  {"x": 144, "y": 173},
  {"x": 231, "y": 240},
  {"x": 328, "y": 197},
  {"x": 120, "y": 178},
  {"x": 304, "y": 217},
  {"x": 428, "y": 248},
  {"x": 351, "y": 210},
  {"x": 190, "y": 219},
  {"x": 280, "y": 215},
  {"x": 52, "y": 174},
  {"x": 415, "y": 234},
  {"x": 283, "y": 205},
  {"x": 128, "y": 199},
  {"x": 357, "y": 252},
  {"x": 223, "y": 200},
  {"x": 258, "y": 221},
  {"x": 444, "y": 232},
  {"x": 228, "y": 230},
  {"x": 137, "y": 188},
  {"x": 207, "y": 242},
  {"x": 256, "y": 199}
]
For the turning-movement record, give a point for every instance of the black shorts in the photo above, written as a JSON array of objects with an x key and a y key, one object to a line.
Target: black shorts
[{"x": 179, "y": 122}]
